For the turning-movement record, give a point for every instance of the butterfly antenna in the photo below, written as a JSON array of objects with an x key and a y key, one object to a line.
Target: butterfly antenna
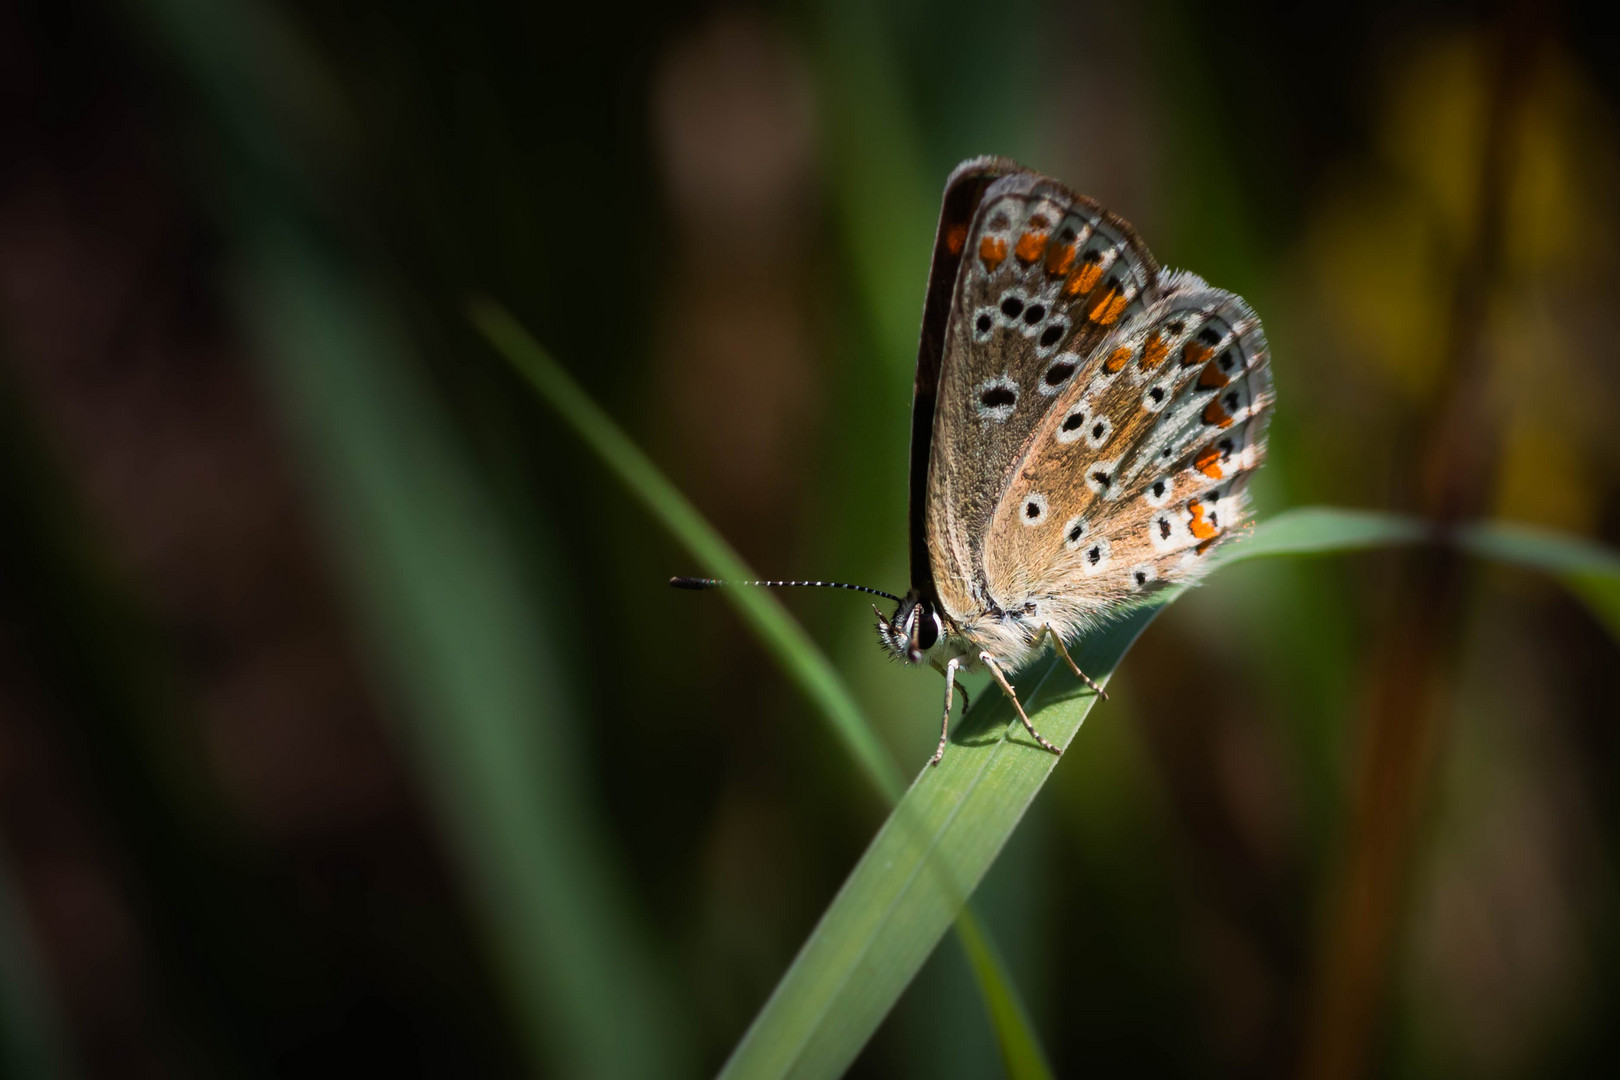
[{"x": 712, "y": 583}]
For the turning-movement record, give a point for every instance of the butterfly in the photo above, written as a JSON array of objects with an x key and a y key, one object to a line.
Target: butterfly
[{"x": 1083, "y": 428}]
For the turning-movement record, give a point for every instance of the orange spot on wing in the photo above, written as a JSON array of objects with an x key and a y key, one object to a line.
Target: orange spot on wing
[
  {"x": 992, "y": 250},
  {"x": 1082, "y": 280},
  {"x": 1203, "y": 530},
  {"x": 1031, "y": 246},
  {"x": 1214, "y": 413},
  {"x": 1213, "y": 377},
  {"x": 1059, "y": 259},
  {"x": 956, "y": 238},
  {"x": 1195, "y": 352},
  {"x": 1208, "y": 462},
  {"x": 1153, "y": 352},
  {"x": 1117, "y": 359},
  {"x": 1107, "y": 308}
]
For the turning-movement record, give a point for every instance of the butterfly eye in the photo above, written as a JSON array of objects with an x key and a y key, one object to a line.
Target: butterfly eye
[
  {"x": 1034, "y": 511},
  {"x": 1101, "y": 430},
  {"x": 1143, "y": 574},
  {"x": 928, "y": 632},
  {"x": 1011, "y": 306},
  {"x": 1034, "y": 313}
]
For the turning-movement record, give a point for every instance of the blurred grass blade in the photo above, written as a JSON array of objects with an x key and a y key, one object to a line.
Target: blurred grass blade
[
  {"x": 1323, "y": 530},
  {"x": 455, "y": 626},
  {"x": 791, "y": 646},
  {"x": 794, "y": 650},
  {"x": 1590, "y": 571},
  {"x": 1021, "y": 1054},
  {"x": 452, "y": 619},
  {"x": 30, "y": 1030}
]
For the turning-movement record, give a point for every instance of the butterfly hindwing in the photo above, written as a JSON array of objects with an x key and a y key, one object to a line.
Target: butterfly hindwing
[
  {"x": 1045, "y": 278},
  {"x": 1139, "y": 468}
]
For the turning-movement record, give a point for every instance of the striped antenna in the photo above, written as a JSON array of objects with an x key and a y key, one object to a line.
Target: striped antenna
[{"x": 711, "y": 583}]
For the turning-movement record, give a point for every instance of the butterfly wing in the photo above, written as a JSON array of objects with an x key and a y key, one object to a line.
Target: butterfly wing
[
  {"x": 964, "y": 190},
  {"x": 1044, "y": 277},
  {"x": 1140, "y": 467}
]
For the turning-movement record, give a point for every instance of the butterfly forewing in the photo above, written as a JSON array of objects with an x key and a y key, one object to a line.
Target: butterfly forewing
[
  {"x": 1140, "y": 466},
  {"x": 964, "y": 190},
  {"x": 1046, "y": 277}
]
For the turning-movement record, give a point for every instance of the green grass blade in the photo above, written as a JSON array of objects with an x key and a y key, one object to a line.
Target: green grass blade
[
  {"x": 793, "y": 649},
  {"x": 930, "y": 855},
  {"x": 915, "y": 877},
  {"x": 30, "y": 1030},
  {"x": 1324, "y": 530},
  {"x": 455, "y": 626},
  {"x": 1590, "y": 571},
  {"x": 949, "y": 828},
  {"x": 451, "y": 618},
  {"x": 1021, "y": 1053}
]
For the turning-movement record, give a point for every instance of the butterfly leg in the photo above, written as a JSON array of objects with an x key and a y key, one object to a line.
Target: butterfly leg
[
  {"x": 1001, "y": 677},
  {"x": 949, "y": 671},
  {"x": 1057, "y": 639}
]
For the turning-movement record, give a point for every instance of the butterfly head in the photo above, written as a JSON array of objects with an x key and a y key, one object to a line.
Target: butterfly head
[{"x": 912, "y": 630}]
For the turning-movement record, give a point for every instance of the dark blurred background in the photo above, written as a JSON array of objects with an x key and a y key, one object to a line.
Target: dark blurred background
[{"x": 346, "y": 721}]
